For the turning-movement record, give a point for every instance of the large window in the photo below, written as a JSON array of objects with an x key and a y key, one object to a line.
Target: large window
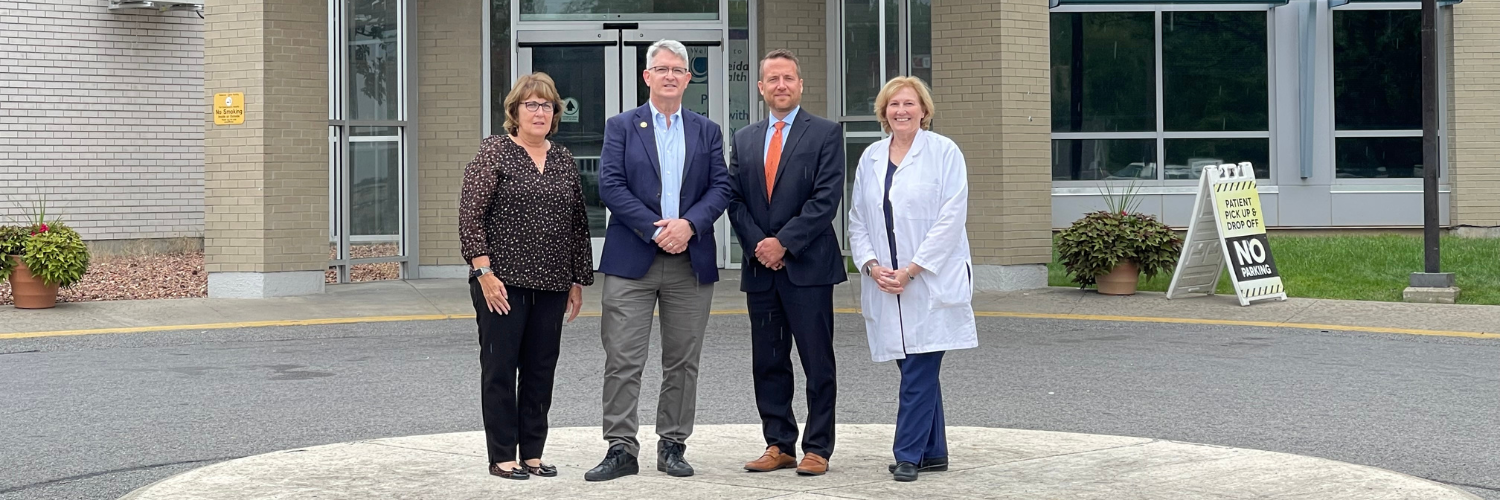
[
  {"x": 499, "y": 62},
  {"x": 618, "y": 10},
  {"x": 368, "y": 174},
  {"x": 880, "y": 40},
  {"x": 1377, "y": 93},
  {"x": 1158, "y": 95}
]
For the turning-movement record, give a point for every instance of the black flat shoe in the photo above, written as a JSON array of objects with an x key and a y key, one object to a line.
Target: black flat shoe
[
  {"x": 516, "y": 473},
  {"x": 939, "y": 464},
  {"x": 905, "y": 472},
  {"x": 543, "y": 470}
]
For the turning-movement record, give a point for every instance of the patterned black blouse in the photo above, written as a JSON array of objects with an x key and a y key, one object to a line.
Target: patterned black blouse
[{"x": 532, "y": 225}]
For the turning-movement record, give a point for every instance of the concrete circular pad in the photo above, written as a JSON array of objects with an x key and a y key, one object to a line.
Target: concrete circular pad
[{"x": 987, "y": 463}]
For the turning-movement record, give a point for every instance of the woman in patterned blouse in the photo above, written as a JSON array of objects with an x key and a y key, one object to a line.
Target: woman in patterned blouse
[{"x": 525, "y": 233}]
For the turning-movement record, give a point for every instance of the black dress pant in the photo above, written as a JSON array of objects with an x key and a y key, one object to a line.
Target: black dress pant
[
  {"x": 785, "y": 314},
  {"x": 524, "y": 342}
]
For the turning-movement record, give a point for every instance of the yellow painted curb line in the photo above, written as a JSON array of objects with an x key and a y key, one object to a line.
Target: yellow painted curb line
[
  {"x": 1231, "y": 322},
  {"x": 728, "y": 312}
]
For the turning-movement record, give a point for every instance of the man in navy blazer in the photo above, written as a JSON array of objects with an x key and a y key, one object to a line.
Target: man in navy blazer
[
  {"x": 662, "y": 176},
  {"x": 788, "y": 176}
]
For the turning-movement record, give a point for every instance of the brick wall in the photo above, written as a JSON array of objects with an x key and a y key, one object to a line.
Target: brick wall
[
  {"x": 802, "y": 27},
  {"x": 1475, "y": 114},
  {"x": 101, "y": 113},
  {"x": 449, "y": 118},
  {"x": 990, "y": 80},
  {"x": 266, "y": 181}
]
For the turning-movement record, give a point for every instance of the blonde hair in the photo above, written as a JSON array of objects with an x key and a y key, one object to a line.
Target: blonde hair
[
  {"x": 924, "y": 98},
  {"x": 526, "y": 87}
]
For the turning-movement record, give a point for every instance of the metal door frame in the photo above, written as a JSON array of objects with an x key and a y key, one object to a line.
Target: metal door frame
[{"x": 622, "y": 44}]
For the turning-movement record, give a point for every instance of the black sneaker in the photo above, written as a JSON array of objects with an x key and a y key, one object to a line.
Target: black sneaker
[
  {"x": 669, "y": 459},
  {"x": 616, "y": 463},
  {"x": 939, "y": 464}
]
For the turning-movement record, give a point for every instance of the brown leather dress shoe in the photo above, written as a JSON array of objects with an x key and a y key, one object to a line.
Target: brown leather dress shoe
[
  {"x": 812, "y": 465},
  {"x": 773, "y": 459}
]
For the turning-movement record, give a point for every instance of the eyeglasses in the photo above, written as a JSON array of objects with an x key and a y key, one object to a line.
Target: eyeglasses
[
  {"x": 662, "y": 70},
  {"x": 533, "y": 106}
]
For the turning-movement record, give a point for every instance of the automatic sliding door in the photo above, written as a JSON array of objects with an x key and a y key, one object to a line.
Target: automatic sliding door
[
  {"x": 585, "y": 65},
  {"x": 706, "y": 94}
]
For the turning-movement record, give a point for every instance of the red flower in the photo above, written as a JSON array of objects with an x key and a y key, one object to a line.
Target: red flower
[
  {"x": 1122, "y": 212},
  {"x": 44, "y": 227}
]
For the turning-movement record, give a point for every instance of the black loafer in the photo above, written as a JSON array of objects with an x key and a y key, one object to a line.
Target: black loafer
[
  {"x": 938, "y": 464},
  {"x": 543, "y": 470},
  {"x": 516, "y": 473},
  {"x": 905, "y": 472},
  {"x": 617, "y": 463}
]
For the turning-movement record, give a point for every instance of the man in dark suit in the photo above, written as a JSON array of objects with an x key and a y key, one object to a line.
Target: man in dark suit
[
  {"x": 662, "y": 176},
  {"x": 788, "y": 177}
]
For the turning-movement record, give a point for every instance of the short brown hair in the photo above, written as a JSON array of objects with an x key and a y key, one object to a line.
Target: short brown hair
[
  {"x": 924, "y": 98},
  {"x": 526, "y": 87},
  {"x": 783, "y": 54}
]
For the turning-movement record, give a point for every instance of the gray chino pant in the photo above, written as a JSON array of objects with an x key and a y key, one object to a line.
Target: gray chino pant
[{"x": 626, "y": 331}]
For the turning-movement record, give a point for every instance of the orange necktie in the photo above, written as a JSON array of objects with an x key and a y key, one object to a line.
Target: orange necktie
[{"x": 773, "y": 158}]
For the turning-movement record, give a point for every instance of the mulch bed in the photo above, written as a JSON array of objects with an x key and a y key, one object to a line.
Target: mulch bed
[{"x": 177, "y": 276}]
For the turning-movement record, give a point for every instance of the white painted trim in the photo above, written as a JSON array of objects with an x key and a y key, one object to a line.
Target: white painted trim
[
  {"x": 443, "y": 272},
  {"x": 1147, "y": 191},
  {"x": 1377, "y": 133},
  {"x": 264, "y": 285},
  {"x": 1009, "y": 278}
]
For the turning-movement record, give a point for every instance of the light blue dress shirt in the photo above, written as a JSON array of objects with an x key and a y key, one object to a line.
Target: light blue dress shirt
[
  {"x": 671, "y": 149},
  {"x": 786, "y": 131}
]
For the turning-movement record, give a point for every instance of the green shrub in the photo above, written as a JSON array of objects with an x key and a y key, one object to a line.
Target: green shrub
[
  {"x": 55, "y": 253},
  {"x": 1095, "y": 244},
  {"x": 12, "y": 242}
]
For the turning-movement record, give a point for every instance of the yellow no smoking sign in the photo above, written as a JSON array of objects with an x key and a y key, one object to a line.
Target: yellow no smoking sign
[{"x": 229, "y": 108}]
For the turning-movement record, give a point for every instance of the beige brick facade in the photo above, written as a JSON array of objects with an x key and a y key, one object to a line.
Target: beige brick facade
[
  {"x": 1474, "y": 122},
  {"x": 100, "y": 114},
  {"x": 266, "y": 181},
  {"x": 990, "y": 81},
  {"x": 449, "y": 117},
  {"x": 802, "y": 27}
]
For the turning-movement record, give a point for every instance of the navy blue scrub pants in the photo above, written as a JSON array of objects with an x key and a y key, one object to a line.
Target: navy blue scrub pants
[{"x": 919, "y": 422}]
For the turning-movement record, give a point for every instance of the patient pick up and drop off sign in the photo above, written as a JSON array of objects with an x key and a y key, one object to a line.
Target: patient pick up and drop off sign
[{"x": 1228, "y": 226}]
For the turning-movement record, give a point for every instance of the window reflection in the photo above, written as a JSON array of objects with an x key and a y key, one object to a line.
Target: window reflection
[
  {"x": 1377, "y": 70},
  {"x": 1214, "y": 71},
  {"x": 1103, "y": 72},
  {"x": 1187, "y": 157},
  {"x": 374, "y": 60},
  {"x": 1103, "y": 159}
]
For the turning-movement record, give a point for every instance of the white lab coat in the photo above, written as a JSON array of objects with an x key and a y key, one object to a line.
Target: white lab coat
[{"x": 930, "y": 205}]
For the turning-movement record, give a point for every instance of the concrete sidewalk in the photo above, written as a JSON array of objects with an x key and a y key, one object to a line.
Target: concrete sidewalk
[
  {"x": 440, "y": 299},
  {"x": 986, "y": 463}
]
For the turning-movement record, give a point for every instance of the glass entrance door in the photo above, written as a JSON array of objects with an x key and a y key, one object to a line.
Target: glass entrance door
[{"x": 598, "y": 75}]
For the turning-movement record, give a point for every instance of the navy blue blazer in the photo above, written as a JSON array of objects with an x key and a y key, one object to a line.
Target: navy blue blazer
[
  {"x": 809, "y": 186},
  {"x": 630, "y": 186}
]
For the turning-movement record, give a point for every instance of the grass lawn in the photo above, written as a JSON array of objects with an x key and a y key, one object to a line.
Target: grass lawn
[{"x": 1358, "y": 267}]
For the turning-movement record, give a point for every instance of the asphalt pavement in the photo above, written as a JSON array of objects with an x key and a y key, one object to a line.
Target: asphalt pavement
[{"x": 97, "y": 416}]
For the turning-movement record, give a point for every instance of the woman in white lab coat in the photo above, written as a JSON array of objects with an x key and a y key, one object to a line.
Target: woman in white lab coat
[{"x": 906, "y": 231}]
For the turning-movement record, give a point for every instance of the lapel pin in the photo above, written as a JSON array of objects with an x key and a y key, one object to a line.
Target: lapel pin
[{"x": 643, "y": 124}]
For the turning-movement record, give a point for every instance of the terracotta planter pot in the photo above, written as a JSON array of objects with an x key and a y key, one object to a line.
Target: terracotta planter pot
[
  {"x": 28, "y": 291},
  {"x": 1121, "y": 281}
]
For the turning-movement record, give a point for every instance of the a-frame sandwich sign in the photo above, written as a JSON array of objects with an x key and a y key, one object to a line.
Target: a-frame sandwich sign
[{"x": 1228, "y": 227}]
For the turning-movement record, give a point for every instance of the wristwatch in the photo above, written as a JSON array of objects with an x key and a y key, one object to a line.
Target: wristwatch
[{"x": 479, "y": 271}]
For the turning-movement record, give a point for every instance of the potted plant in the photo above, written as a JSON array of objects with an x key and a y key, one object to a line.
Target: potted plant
[
  {"x": 41, "y": 257},
  {"x": 1112, "y": 248}
]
